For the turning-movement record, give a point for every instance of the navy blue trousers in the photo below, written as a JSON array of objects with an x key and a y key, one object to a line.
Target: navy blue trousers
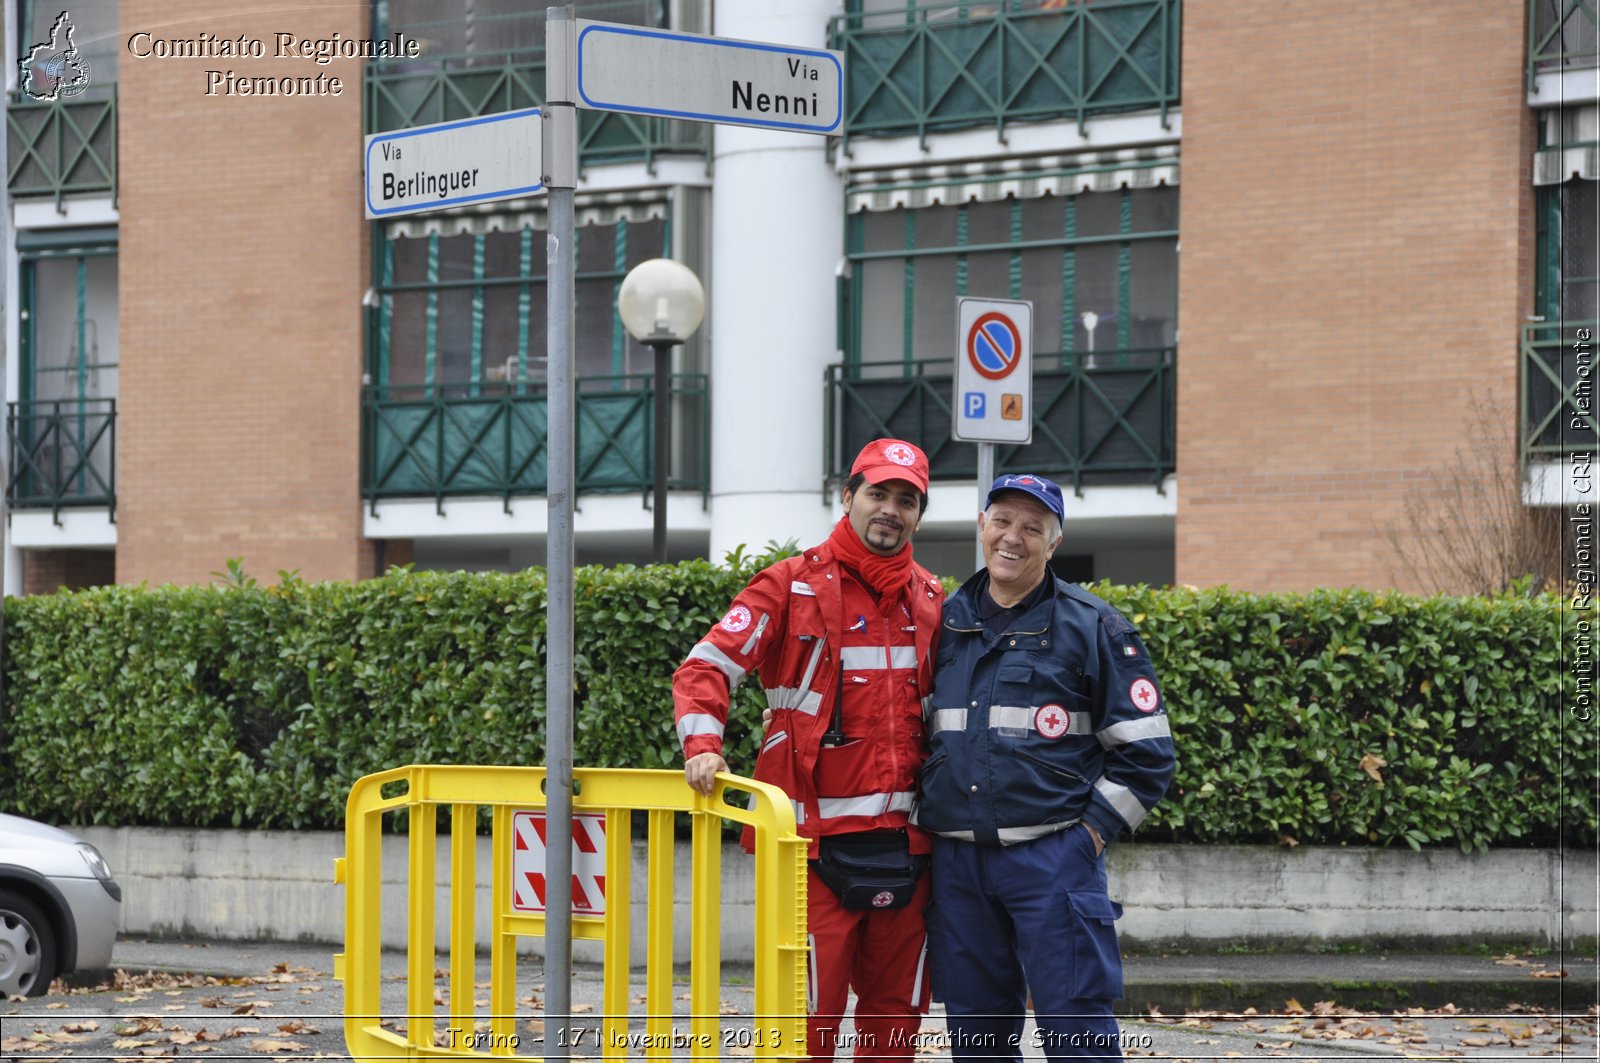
[{"x": 1007, "y": 920}]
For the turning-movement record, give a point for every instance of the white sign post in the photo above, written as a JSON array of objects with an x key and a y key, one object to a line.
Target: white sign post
[
  {"x": 709, "y": 79},
  {"x": 993, "y": 400},
  {"x": 450, "y": 164}
]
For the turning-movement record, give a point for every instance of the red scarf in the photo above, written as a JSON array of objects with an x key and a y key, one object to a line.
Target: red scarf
[{"x": 886, "y": 575}]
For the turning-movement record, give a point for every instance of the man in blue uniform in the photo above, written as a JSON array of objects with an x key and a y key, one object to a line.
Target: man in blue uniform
[{"x": 1047, "y": 739}]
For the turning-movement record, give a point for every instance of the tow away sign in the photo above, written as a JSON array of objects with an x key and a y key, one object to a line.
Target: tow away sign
[
  {"x": 475, "y": 160},
  {"x": 994, "y": 371}
]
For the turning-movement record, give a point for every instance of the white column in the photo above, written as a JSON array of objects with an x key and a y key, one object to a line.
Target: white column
[{"x": 777, "y": 238}]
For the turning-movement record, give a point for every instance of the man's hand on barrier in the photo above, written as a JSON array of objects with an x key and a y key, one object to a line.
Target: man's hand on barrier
[{"x": 701, "y": 771}]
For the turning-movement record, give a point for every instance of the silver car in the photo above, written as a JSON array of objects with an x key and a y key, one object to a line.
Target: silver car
[{"x": 59, "y": 906}]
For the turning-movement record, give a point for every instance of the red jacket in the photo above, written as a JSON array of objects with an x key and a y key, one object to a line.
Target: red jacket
[{"x": 789, "y": 625}]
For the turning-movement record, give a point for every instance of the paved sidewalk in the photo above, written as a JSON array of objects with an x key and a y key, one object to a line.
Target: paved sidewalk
[
  {"x": 1172, "y": 984},
  {"x": 260, "y": 1000}
]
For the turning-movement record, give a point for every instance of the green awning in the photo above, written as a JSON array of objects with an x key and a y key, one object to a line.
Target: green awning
[
  {"x": 40, "y": 242},
  {"x": 912, "y": 187}
]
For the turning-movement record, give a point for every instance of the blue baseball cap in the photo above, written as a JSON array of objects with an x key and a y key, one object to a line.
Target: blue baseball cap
[{"x": 1042, "y": 490}]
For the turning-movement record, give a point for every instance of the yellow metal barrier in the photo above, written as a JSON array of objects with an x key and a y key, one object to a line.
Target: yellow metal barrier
[{"x": 774, "y": 1030}]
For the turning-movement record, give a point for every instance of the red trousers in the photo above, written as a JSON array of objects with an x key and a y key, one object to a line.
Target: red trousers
[{"x": 879, "y": 954}]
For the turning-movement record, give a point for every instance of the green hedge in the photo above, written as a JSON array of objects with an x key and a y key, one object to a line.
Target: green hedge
[{"x": 1331, "y": 717}]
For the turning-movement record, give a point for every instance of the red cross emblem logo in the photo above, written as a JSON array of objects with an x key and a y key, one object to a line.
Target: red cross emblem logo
[
  {"x": 1143, "y": 695},
  {"x": 882, "y": 899},
  {"x": 1052, "y": 721},
  {"x": 900, "y": 454},
  {"x": 737, "y": 620}
]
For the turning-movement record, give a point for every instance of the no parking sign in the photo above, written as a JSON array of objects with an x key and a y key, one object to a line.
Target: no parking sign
[{"x": 993, "y": 401}]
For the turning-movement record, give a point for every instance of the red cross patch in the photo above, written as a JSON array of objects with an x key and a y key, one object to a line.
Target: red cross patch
[
  {"x": 737, "y": 620},
  {"x": 1052, "y": 721},
  {"x": 1143, "y": 695},
  {"x": 882, "y": 899}
]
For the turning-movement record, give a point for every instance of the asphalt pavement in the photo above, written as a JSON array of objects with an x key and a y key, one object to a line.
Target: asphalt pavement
[{"x": 215, "y": 999}]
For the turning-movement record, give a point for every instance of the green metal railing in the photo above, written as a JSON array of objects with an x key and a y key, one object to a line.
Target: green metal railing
[
  {"x": 1562, "y": 34},
  {"x": 490, "y": 440},
  {"x": 1102, "y": 418},
  {"x": 401, "y": 95},
  {"x": 62, "y": 454},
  {"x": 62, "y": 147},
  {"x": 1559, "y": 371},
  {"x": 955, "y": 65}
]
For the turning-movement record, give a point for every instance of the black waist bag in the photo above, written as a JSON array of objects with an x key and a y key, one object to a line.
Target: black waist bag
[{"x": 869, "y": 869}]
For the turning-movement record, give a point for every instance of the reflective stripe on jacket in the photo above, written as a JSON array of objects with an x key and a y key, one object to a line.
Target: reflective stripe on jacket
[{"x": 789, "y": 626}]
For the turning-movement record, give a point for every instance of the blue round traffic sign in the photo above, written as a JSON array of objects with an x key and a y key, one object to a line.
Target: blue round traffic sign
[{"x": 994, "y": 346}]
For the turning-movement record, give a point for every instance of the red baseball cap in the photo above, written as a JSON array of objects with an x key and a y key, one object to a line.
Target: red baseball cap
[{"x": 892, "y": 459}]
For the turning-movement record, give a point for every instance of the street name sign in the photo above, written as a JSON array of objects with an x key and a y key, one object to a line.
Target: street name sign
[
  {"x": 994, "y": 371},
  {"x": 709, "y": 79},
  {"x": 451, "y": 164}
]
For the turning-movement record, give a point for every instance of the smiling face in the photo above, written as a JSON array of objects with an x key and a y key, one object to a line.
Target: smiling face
[
  {"x": 1018, "y": 536},
  {"x": 884, "y": 515}
]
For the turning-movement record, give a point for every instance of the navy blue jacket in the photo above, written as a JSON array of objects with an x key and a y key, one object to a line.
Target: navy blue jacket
[{"x": 1033, "y": 730}]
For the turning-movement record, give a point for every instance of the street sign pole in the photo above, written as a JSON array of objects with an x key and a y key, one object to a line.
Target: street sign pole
[
  {"x": 992, "y": 401},
  {"x": 985, "y": 478},
  {"x": 561, "y": 161}
]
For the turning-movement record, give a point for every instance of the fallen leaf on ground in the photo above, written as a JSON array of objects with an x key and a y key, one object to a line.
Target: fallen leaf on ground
[{"x": 262, "y": 1044}]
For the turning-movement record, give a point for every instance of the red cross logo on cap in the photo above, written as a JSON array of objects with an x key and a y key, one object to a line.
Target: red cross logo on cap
[
  {"x": 1143, "y": 695},
  {"x": 1052, "y": 721},
  {"x": 900, "y": 454}
]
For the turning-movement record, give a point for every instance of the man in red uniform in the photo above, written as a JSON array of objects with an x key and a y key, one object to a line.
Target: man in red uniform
[{"x": 843, "y": 639}]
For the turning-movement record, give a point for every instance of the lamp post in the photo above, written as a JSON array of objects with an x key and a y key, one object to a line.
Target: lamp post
[{"x": 661, "y": 303}]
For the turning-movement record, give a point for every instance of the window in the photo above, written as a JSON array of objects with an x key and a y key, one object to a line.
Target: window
[
  {"x": 69, "y": 334},
  {"x": 61, "y": 427},
  {"x": 504, "y": 25},
  {"x": 1101, "y": 270},
  {"x": 94, "y": 32},
  {"x": 466, "y": 310}
]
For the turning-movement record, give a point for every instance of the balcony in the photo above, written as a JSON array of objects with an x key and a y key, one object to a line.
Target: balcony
[
  {"x": 1104, "y": 418},
  {"x": 1562, "y": 36},
  {"x": 957, "y": 65},
  {"x": 62, "y": 454},
  {"x": 403, "y": 94},
  {"x": 63, "y": 147},
  {"x": 1558, "y": 390},
  {"x": 442, "y": 442}
]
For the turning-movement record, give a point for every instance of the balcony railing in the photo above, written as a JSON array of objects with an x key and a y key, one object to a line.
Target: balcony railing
[
  {"x": 442, "y": 442},
  {"x": 1558, "y": 389},
  {"x": 62, "y": 454},
  {"x": 63, "y": 147},
  {"x": 401, "y": 95},
  {"x": 955, "y": 65},
  {"x": 1562, "y": 35},
  {"x": 1104, "y": 418}
]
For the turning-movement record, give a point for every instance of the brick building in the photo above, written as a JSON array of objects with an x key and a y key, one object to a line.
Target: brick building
[{"x": 1384, "y": 260}]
